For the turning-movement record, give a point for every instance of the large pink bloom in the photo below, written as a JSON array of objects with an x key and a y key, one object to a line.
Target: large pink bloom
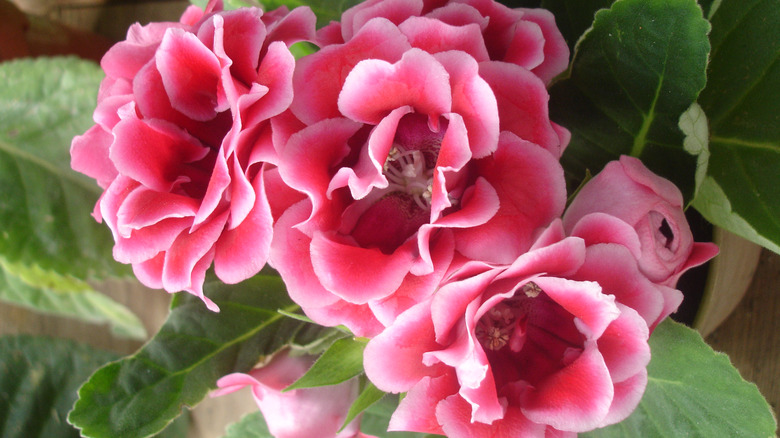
[
  {"x": 182, "y": 141},
  {"x": 299, "y": 413},
  {"x": 629, "y": 205},
  {"x": 395, "y": 142},
  {"x": 515, "y": 351}
]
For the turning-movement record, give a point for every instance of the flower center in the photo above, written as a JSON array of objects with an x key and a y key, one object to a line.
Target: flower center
[
  {"x": 407, "y": 172},
  {"x": 505, "y": 323}
]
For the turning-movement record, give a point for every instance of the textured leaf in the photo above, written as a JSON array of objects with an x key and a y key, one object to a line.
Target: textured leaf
[
  {"x": 339, "y": 363},
  {"x": 634, "y": 73},
  {"x": 49, "y": 292},
  {"x": 137, "y": 396},
  {"x": 39, "y": 378},
  {"x": 693, "y": 391},
  {"x": 740, "y": 190},
  {"x": 45, "y": 207},
  {"x": 249, "y": 426}
]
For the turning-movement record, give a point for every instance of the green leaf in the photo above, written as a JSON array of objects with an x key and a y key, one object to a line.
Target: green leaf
[
  {"x": 369, "y": 395},
  {"x": 739, "y": 191},
  {"x": 39, "y": 378},
  {"x": 49, "y": 292},
  {"x": 138, "y": 395},
  {"x": 249, "y": 426},
  {"x": 640, "y": 66},
  {"x": 693, "y": 391},
  {"x": 45, "y": 207},
  {"x": 339, "y": 363}
]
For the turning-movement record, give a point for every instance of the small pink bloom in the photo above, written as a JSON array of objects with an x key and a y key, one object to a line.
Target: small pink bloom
[
  {"x": 628, "y": 204},
  {"x": 183, "y": 141},
  {"x": 299, "y": 413},
  {"x": 514, "y": 351},
  {"x": 403, "y": 160}
]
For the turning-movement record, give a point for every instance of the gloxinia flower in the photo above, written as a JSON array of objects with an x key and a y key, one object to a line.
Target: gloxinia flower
[
  {"x": 298, "y": 413},
  {"x": 627, "y": 204},
  {"x": 526, "y": 37},
  {"x": 182, "y": 140},
  {"x": 514, "y": 351},
  {"x": 397, "y": 144}
]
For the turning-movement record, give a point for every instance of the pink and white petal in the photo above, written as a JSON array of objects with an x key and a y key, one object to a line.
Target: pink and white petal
[
  {"x": 414, "y": 288},
  {"x": 628, "y": 394},
  {"x": 527, "y": 46},
  {"x": 701, "y": 252},
  {"x": 154, "y": 154},
  {"x": 150, "y": 272},
  {"x": 615, "y": 269},
  {"x": 453, "y": 415},
  {"x": 624, "y": 345},
  {"x": 144, "y": 207},
  {"x": 396, "y": 11},
  {"x": 417, "y": 411},
  {"x": 452, "y": 299},
  {"x": 357, "y": 274},
  {"x": 243, "y": 250},
  {"x": 576, "y": 398},
  {"x": 603, "y": 228},
  {"x": 375, "y": 87},
  {"x": 144, "y": 243},
  {"x": 89, "y": 155},
  {"x": 275, "y": 73},
  {"x": 308, "y": 156},
  {"x": 219, "y": 183},
  {"x": 243, "y": 193},
  {"x": 280, "y": 196},
  {"x": 406, "y": 367},
  {"x": 240, "y": 39},
  {"x": 319, "y": 77},
  {"x": 290, "y": 256},
  {"x": 522, "y": 104},
  {"x": 592, "y": 309},
  {"x": 556, "y": 52},
  {"x": 187, "y": 250},
  {"x": 367, "y": 173},
  {"x": 479, "y": 203},
  {"x": 190, "y": 73},
  {"x": 512, "y": 230},
  {"x": 294, "y": 26},
  {"x": 550, "y": 235},
  {"x": 474, "y": 100},
  {"x": 436, "y": 36},
  {"x": 558, "y": 259},
  {"x": 356, "y": 317}
]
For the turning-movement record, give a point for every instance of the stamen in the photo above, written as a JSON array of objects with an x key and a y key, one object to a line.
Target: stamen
[
  {"x": 531, "y": 289},
  {"x": 407, "y": 172}
]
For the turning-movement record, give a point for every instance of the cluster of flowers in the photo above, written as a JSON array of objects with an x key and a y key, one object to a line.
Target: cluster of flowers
[{"x": 404, "y": 180}]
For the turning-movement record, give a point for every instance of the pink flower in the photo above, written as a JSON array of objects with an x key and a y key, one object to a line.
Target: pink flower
[
  {"x": 514, "y": 351},
  {"x": 182, "y": 142},
  {"x": 395, "y": 142},
  {"x": 299, "y": 413},
  {"x": 628, "y": 204}
]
